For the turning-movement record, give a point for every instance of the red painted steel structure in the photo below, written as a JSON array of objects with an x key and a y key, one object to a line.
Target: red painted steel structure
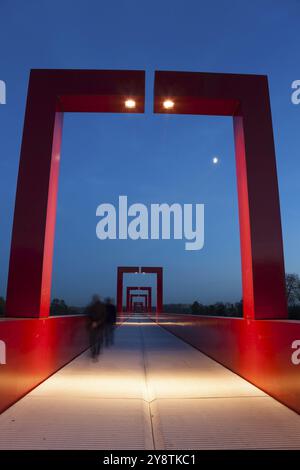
[
  {"x": 37, "y": 348},
  {"x": 246, "y": 99},
  {"x": 144, "y": 269},
  {"x": 255, "y": 347},
  {"x": 140, "y": 288},
  {"x": 159, "y": 284},
  {"x": 120, "y": 279},
  {"x": 50, "y": 94}
]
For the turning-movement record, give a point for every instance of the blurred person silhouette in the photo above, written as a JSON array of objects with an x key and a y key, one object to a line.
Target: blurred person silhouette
[
  {"x": 110, "y": 324},
  {"x": 96, "y": 314}
]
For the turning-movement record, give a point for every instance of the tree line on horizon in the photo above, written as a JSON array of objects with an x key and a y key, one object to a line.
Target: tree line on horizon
[{"x": 59, "y": 306}]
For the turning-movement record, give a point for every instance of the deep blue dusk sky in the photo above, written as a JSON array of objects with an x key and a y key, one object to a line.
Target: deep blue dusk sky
[{"x": 150, "y": 158}]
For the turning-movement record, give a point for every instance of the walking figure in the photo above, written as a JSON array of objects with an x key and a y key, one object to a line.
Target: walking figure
[
  {"x": 96, "y": 323},
  {"x": 111, "y": 318}
]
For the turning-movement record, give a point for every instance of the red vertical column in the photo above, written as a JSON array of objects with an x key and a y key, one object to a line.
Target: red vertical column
[
  {"x": 263, "y": 275},
  {"x": 120, "y": 290},
  {"x": 159, "y": 284},
  {"x": 30, "y": 267},
  {"x": 150, "y": 300},
  {"x": 127, "y": 300},
  {"x": 120, "y": 278},
  {"x": 159, "y": 305},
  {"x": 130, "y": 303}
]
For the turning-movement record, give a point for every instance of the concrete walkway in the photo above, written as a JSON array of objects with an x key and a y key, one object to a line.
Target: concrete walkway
[{"x": 149, "y": 391}]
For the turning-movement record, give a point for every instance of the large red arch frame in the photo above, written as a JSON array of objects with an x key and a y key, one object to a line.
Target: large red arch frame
[
  {"x": 143, "y": 296},
  {"x": 141, "y": 289},
  {"x": 246, "y": 99},
  {"x": 140, "y": 270},
  {"x": 50, "y": 94}
]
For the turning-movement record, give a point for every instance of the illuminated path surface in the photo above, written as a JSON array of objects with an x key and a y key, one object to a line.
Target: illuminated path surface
[{"x": 151, "y": 390}]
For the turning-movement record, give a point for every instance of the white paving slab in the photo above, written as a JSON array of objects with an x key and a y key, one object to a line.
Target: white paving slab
[
  {"x": 224, "y": 423},
  {"x": 76, "y": 423}
]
